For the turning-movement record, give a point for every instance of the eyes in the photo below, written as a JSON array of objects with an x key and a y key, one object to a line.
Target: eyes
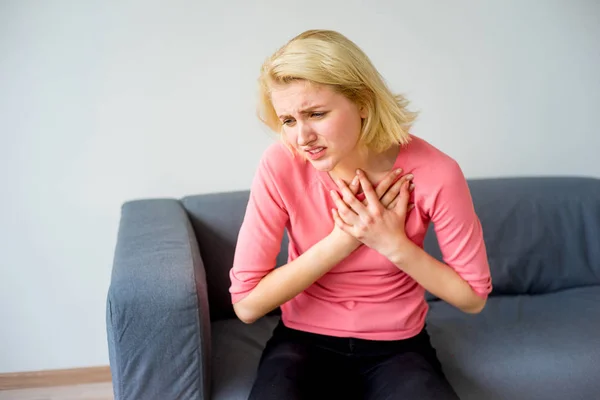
[{"x": 314, "y": 115}]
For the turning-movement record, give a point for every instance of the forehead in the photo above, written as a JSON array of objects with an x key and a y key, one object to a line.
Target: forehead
[{"x": 298, "y": 95}]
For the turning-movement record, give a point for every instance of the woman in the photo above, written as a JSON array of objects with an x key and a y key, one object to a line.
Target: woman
[{"x": 352, "y": 293}]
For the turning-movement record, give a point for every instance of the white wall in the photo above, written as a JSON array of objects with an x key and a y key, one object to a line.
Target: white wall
[{"x": 101, "y": 103}]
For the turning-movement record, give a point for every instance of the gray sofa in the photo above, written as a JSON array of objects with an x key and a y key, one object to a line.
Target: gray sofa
[{"x": 172, "y": 333}]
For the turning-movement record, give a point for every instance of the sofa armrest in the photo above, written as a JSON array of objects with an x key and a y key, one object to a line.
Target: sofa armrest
[{"x": 157, "y": 316}]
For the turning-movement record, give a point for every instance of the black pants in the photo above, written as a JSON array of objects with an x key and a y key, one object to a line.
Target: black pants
[{"x": 301, "y": 365}]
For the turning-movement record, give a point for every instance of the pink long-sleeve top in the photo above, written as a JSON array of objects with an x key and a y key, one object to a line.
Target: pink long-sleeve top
[{"x": 364, "y": 296}]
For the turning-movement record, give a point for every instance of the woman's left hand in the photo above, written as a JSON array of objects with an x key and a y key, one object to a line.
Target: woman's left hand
[{"x": 379, "y": 228}]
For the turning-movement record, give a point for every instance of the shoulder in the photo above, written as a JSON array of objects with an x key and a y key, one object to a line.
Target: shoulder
[
  {"x": 278, "y": 160},
  {"x": 284, "y": 169},
  {"x": 438, "y": 177},
  {"x": 276, "y": 154},
  {"x": 431, "y": 164}
]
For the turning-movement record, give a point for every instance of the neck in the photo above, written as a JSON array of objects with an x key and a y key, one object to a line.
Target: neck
[{"x": 372, "y": 163}]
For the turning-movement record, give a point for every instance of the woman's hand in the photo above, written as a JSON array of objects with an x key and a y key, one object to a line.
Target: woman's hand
[
  {"x": 372, "y": 222},
  {"x": 387, "y": 193}
]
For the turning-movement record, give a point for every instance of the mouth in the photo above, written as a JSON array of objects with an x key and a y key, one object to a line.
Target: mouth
[{"x": 315, "y": 153}]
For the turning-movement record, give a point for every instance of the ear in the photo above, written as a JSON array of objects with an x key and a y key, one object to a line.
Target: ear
[{"x": 363, "y": 112}]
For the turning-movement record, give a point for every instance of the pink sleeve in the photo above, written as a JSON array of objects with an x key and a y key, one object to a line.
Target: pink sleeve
[
  {"x": 459, "y": 231},
  {"x": 260, "y": 235}
]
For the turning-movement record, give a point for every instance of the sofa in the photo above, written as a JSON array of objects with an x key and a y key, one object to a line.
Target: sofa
[{"x": 172, "y": 333}]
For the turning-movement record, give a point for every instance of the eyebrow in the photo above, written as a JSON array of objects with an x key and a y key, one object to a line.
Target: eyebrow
[{"x": 305, "y": 111}]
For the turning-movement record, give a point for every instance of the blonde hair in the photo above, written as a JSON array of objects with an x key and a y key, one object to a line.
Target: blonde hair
[{"x": 329, "y": 58}]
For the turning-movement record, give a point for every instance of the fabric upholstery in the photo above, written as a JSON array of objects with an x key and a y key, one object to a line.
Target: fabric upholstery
[
  {"x": 158, "y": 325},
  {"x": 537, "y": 337}
]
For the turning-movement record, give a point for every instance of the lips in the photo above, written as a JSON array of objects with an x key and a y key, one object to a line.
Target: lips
[{"x": 315, "y": 153}]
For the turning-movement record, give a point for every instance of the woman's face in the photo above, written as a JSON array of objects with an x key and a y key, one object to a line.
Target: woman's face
[{"x": 321, "y": 124}]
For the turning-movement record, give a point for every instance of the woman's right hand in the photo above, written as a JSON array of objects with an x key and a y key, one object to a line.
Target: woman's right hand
[
  {"x": 389, "y": 189},
  {"x": 388, "y": 192}
]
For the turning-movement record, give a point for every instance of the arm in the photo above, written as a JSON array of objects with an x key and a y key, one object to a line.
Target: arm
[
  {"x": 465, "y": 282},
  {"x": 464, "y": 279},
  {"x": 439, "y": 279},
  {"x": 285, "y": 282},
  {"x": 256, "y": 286}
]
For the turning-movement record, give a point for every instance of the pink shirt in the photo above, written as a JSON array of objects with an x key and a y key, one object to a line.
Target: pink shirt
[{"x": 365, "y": 296}]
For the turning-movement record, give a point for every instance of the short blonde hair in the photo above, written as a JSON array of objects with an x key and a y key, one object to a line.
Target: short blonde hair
[{"x": 329, "y": 58}]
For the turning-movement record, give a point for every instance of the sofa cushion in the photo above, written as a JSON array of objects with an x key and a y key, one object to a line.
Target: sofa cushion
[
  {"x": 237, "y": 348},
  {"x": 522, "y": 347}
]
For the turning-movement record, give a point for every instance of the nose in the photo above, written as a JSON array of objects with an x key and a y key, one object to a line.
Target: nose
[{"x": 306, "y": 134}]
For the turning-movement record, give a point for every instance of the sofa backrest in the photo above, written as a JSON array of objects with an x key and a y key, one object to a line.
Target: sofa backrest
[
  {"x": 542, "y": 234},
  {"x": 216, "y": 218}
]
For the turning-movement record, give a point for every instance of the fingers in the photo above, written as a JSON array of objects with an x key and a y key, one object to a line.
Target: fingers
[
  {"x": 343, "y": 210},
  {"x": 349, "y": 195},
  {"x": 349, "y": 207},
  {"x": 370, "y": 194},
  {"x": 354, "y": 185},
  {"x": 339, "y": 221},
  {"x": 401, "y": 206},
  {"x": 393, "y": 192},
  {"x": 395, "y": 200},
  {"x": 387, "y": 182}
]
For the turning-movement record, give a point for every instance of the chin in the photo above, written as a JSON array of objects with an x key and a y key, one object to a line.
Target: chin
[
  {"x": 322, "y": 165},
  {"x": 322, "y": 169}
]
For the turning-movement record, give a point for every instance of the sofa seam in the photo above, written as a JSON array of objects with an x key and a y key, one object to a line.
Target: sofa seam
[{"x": 202, "y": 369}]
